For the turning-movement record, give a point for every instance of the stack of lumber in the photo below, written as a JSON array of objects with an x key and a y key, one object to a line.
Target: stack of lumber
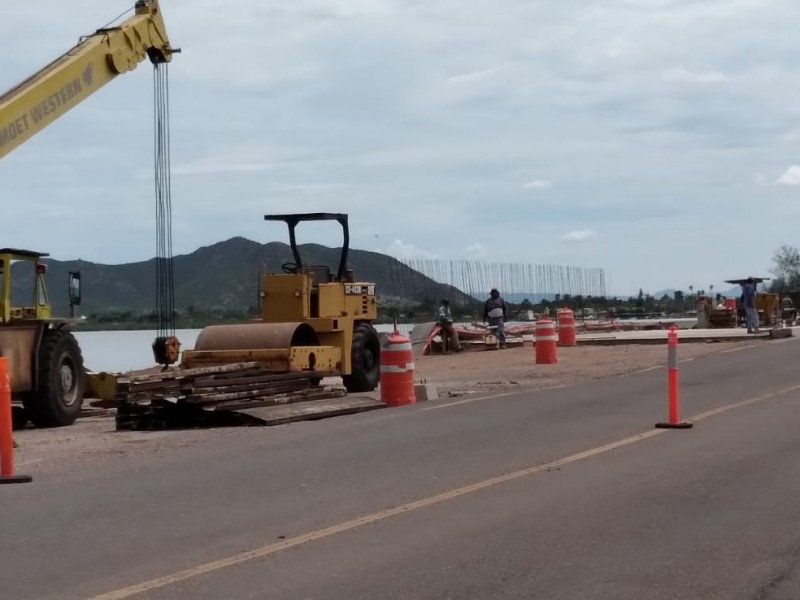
[{"x": 208, "y": 396}]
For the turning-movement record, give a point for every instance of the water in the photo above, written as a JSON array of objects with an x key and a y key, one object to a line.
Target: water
[
  {"x": 124, "y": 350},
  {"x": 119, "y": 351}
]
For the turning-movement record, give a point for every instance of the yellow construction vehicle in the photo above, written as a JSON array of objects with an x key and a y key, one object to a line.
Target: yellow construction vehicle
[
  {"x": 312, "y": 319},
  {"x": 42, "y": 351},
  {"x": 45, "y": 361},
  {"x": 96, "y": 60}
]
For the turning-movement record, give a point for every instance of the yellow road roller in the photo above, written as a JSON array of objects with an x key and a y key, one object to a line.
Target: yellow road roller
[{"x": 312, "y": 320}]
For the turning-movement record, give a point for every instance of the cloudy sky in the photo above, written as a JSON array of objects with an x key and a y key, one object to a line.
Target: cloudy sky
[{"x": 659, "y": 139}]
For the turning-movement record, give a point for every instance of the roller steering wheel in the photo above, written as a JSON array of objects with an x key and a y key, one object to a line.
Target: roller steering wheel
[{"x": 289, "y": 267}]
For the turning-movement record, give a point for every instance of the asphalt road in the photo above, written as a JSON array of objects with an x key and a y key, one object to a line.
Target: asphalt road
[{"x": 562, "y": 494}]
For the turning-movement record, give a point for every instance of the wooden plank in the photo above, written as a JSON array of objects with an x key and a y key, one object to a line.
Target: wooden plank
[
  {"x": 150, "y": 385},
  {"x": 194, "y": 372},
  {"x": 257, "y": 378},
  {"x": 220, "y": 397},
  {"x": 314, "y": 409},
  {"x": 222, "y": 387},
  {"x": 275, "y": 400},
  {"x": 146, "y": 396}
]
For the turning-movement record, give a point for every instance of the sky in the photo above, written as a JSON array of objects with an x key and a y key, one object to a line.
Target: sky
[{"x": 657, "y": 139}]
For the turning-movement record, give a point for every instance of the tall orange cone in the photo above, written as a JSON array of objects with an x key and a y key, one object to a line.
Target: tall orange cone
[
  {"x": 672, "y": 384},
  {"x": 6, "y": 434}
]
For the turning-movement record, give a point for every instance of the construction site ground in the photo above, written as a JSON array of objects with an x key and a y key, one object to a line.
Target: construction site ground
[
  {"x": 511, "y": 368},
  {"x": 94, "y": 437}
]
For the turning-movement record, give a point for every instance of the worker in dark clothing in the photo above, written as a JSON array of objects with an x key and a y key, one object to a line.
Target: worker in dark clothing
[
  {"x": 749, "y": 305},
  {"x": 788, "y": 312},
  {"x": 495, "y": 312}
]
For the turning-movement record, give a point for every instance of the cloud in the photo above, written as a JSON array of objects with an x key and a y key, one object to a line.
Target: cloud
[
  {"x": 476, "y": 250},
  {"x": 679, "y": 75},
  {"x": 792, "y": 136},
  {"x": 424, "y": 121},
  {"x": 790, "y": 177},
  {"x": 402, "y": 250},
  {"x": 207, "y": 168},
  {"x": 579, "y": 235},
  {"x": 307, "y": 188},
  {"x": 537, "y": 184}
]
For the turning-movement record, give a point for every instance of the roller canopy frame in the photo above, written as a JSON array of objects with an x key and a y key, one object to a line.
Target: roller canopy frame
[{"x": 294, "y": 218}]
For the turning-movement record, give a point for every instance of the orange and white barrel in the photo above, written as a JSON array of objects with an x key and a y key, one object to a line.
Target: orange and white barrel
[
  {"x": 546, "y": 342},
  {"x": 566, "y": 327},
  {"x": 397, "y": 371}
]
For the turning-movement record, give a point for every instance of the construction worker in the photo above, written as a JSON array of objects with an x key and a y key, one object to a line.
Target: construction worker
[
  {"x": 449, "y": 334},
  {"x": 749, "y": 305},
  {"x": 788, "y": 311},
  {"x": 495, "y": 312}
]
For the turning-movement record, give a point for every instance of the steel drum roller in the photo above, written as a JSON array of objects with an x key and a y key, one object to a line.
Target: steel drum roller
[{"x": 256, "y": 336}]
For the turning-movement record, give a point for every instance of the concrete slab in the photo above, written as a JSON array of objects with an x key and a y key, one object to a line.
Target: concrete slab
[
  {"x": 642, "y": 324},
  {"x": 425, "y": 392},
  {"x": 419, "y": 335},
  {"x": 684, "y": 336}
]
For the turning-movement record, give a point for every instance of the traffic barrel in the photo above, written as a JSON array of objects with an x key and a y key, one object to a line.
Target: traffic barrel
[
  {"x": 566, "y": 327},
  {"x": 397, "y": 371},
  {"x": 7, "y": 474},
  {"x": 527, "y": 340},
  {"x": 672, "y": 384},
  {"x": 546, "y": 342}
]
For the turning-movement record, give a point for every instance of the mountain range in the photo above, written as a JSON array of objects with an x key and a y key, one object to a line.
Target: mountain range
[{"x": 222, "y": 276}]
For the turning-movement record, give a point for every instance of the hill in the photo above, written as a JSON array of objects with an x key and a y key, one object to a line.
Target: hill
[{"x": 224, "y": 276}]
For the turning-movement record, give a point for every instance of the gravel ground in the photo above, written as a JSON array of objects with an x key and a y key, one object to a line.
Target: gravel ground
[
  {"x": 483, "y": 371},
  {"x": 94, "y": 438}
]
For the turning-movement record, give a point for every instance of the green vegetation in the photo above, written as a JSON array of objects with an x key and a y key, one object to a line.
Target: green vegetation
[
  {"x": 190, "y": 318},
  {"x": 786, "y": 268}
]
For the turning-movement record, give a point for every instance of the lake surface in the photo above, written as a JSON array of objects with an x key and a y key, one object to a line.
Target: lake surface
[{"x": 118, "y": 351}]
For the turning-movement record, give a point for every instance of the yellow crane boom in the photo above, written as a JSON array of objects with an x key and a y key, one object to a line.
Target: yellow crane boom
[{"x": 98, "y": 58}]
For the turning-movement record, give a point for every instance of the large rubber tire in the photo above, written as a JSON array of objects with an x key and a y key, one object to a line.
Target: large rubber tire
[
  {"x": 366, "y": 360},
  {"x": 59, "y": 397}
]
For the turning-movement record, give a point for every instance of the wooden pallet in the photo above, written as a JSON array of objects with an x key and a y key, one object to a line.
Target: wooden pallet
[{"x": 209, "y": 396}]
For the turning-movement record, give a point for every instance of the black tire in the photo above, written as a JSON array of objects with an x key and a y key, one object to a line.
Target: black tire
[
  {"x": 19, "y": 418},
  {"x": 61, "y": 385},
  {"x": 365, "y": 360}
]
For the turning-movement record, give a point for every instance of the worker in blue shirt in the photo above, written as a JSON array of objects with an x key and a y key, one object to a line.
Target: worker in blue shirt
[{"x": 749, "y": 304}]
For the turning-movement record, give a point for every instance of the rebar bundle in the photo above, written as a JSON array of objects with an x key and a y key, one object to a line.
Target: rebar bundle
[
  {"x": 516, "y": 282},
  {"x": 165, "y": 287}
]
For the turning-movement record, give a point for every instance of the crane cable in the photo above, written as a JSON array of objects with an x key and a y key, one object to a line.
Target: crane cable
[{"x": 165, "y": 285}]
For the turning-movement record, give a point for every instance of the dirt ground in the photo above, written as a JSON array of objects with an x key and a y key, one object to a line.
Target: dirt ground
[
  {"x": 484, "y": 371},
  {"x": 94, "y": 438}
]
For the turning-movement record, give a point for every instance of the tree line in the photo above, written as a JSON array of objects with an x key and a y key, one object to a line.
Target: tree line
[{"x": 786, "y": 281}]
